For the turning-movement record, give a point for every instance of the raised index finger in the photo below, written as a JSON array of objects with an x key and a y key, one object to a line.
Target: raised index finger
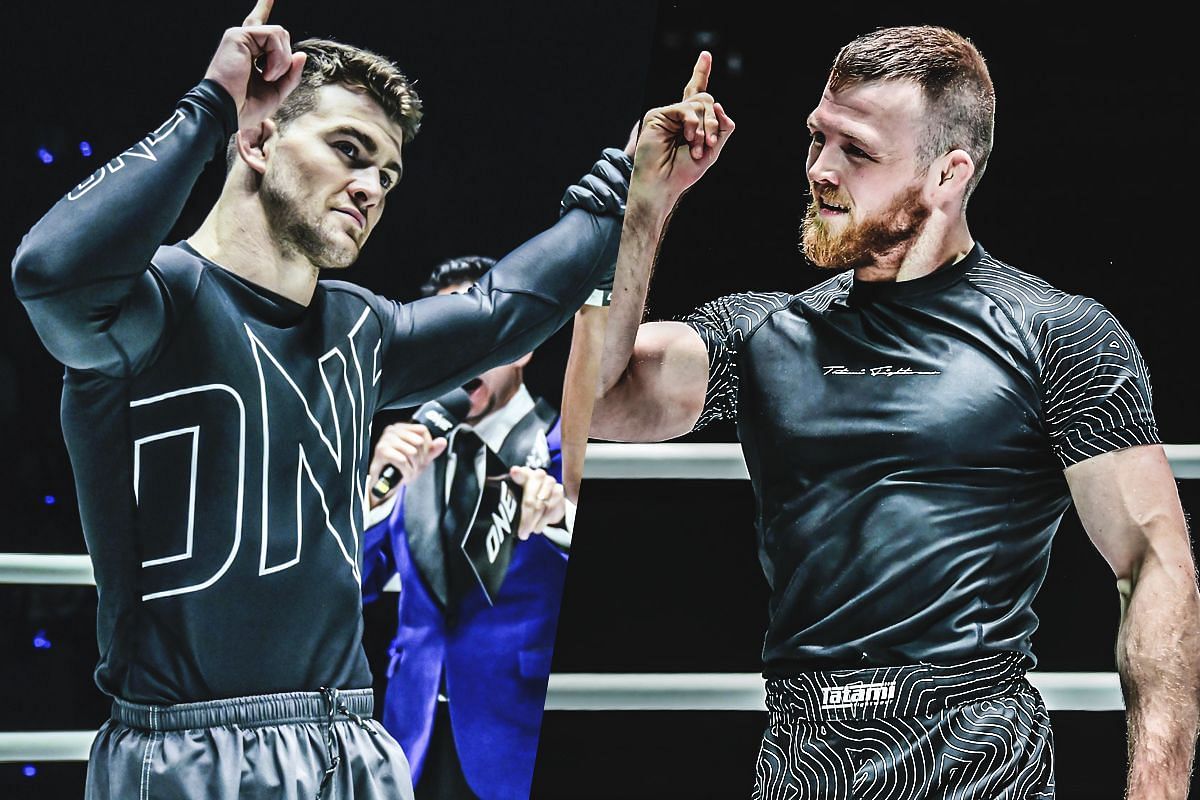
[
  {"x": 262, "y": 10},
  {"x": 699, "y": 81}
]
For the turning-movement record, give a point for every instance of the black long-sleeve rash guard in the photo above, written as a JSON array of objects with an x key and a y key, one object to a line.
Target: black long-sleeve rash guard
[
  {"x": 906, "y": 443},
  {"x": 219, "y": 433}
]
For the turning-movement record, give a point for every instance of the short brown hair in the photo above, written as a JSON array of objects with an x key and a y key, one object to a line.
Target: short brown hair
[
  {"x": 959, "y": 98},
  {"x": 333, "y": 62}
]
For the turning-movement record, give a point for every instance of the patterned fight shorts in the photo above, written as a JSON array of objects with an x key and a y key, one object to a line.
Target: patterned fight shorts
[
  {"x": 967, "y": 731},
  {"x": 292, "y": 746}
]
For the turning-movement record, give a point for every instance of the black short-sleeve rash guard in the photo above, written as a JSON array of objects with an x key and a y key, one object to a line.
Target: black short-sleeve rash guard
[{"x": 906, "y": 443}]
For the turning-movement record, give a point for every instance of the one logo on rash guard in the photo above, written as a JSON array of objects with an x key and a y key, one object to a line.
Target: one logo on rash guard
[
  {"x": 877, "y": 372},
  {"x": 143, "y": 150},
  {"x": 856, "y": 694}
]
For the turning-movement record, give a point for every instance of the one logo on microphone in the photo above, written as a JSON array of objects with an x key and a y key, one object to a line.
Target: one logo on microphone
[
  {"x": 502, "y": 520},
  {"x": 438, "y": 419},
  {"x": 856, "y": 694},
  {"x": 539, "y": 456}
]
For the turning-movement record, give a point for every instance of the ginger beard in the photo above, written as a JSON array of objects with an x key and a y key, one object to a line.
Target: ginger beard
[
  {"x": 312, "y": 236},
  {"x": 862, "y": 243}
]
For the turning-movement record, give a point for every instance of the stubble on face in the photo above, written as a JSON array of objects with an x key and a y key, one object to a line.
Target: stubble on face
[
  {"x": 865, "y": 242},
  {"x": 301, "y": 232}
]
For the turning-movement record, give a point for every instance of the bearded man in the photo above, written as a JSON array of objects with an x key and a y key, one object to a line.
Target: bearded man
[{"x": 914, "y": 428}]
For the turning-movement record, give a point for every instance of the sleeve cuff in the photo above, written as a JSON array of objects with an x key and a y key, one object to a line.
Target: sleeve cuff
[
  {"x": 212, "y": 97},
  {"x": 1080, "y": 446}
]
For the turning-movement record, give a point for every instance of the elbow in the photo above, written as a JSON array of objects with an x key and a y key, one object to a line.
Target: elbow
[
  {"x": 1163, "y": 570},
  {"x": 1154, "y": 539},
  {"x": 615, "y": 402},
  {"x": 602, "y": 424},
  {"x": 36, "y": 268},
  {"x": 28, "y": 265}
]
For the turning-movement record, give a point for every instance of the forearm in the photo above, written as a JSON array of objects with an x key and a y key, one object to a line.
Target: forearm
[
  {"x": 646, "y": 218},
  {"x": 1158, "y": 657},
  {"x": 579, "y": 392},
  {"x": 441, "y": 342},
  {"x": 559, "y": 267},
  {"x": 81, "y": 261}
]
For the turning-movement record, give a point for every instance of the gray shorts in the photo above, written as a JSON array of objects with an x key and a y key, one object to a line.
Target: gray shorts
[{"x": 293, "y": 746}]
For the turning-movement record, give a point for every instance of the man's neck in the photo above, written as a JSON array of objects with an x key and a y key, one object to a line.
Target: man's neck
[
  {"x": 496, "y": 426},
  {"x": 235, "y": 235},
  {"x": 935, "y": 246}
]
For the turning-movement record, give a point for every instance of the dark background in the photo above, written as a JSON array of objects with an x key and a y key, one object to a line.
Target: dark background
[
  {"x": 1089, "y": 185},
  {"x": 519, "y": 101}
]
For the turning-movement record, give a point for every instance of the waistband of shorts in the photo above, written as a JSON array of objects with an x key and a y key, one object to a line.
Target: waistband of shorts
[
  {"x": 256, "y": 710},
  {"x": 901, "y": 691}
]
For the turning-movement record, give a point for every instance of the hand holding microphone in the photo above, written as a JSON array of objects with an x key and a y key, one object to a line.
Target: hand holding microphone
[{"x": 407, "y": 448}]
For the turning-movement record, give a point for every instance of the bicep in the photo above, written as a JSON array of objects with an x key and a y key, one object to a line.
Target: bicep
[
  {"x": 661, "y": 393},
  {"x": 1129, "y": 506}
]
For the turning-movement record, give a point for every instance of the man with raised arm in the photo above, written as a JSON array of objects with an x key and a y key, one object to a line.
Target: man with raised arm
[
  {"x": 217, "y": 405},
  {"x": 915, "y": 428}
]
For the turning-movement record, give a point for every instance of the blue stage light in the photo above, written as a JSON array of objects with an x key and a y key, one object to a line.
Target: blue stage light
[
  {"x": 85, "y": 148},
  {"x": 49, "y": 500},
  {"x": 40, "y": 641},
  {"x": 45, "y": 155},
  {"x": 29, "y": 770}
]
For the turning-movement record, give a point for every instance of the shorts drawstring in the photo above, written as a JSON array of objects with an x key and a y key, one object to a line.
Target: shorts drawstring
[{"x": 334, "y": 705}]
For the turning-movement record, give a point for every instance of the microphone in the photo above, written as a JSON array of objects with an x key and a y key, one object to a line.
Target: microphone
[{"x": 439, "y": 415}]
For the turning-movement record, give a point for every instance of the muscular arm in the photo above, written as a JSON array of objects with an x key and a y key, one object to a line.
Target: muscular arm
[
  {"x": 1129, "y": 506},
  {"x": 81, "y": 272},
  {"x": 658, "y": 392}
]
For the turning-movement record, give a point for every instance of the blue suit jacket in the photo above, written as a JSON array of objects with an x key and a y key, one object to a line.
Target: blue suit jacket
[{"x": 496, "y": 658}]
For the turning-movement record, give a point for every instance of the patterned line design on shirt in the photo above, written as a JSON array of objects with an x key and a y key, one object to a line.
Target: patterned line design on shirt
[
  {"x": 725, "y": 323},
  {"x": 970, "y": 730},
  {"x": 1096, "y": 394}
]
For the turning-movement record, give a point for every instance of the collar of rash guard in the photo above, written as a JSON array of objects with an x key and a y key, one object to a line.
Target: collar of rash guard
[
  {"x": 269, "y": 306},
  {"x": 941, "y": 278}
]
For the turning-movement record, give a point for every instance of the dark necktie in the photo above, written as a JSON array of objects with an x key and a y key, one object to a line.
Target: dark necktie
[{"x": 463, "y": 502}]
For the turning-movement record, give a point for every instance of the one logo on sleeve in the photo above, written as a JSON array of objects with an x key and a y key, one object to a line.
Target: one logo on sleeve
[{"x": 143, "y": 150}]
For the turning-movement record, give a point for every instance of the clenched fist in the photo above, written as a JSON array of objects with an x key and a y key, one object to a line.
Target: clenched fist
[
  {"x": 542, "y": 500},
  {"x": 408, "y": 447}
]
